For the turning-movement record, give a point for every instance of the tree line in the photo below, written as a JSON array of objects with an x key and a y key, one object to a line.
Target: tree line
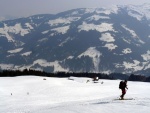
[
  {"x": 26, "y": 72},
  {"x": 112, "y": 76},
  {"x": 141, "y": 78}
]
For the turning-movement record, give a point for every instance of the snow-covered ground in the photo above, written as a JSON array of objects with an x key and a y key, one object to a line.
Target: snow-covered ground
[{"x": 32, "y": 94}]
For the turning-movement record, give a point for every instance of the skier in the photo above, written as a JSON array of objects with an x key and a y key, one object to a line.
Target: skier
[
  {"x": 95, "y": 78},
  {"x": 123, "y": 87}
]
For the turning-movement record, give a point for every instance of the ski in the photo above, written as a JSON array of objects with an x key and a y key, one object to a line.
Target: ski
[{"x": 125, "y": 99}]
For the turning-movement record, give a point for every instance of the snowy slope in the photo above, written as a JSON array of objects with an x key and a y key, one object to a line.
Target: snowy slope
[{"x": 32, "y": 94}]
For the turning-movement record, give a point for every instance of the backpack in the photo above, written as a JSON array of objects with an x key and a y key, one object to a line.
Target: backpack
[{"x": 121, "y": 85}]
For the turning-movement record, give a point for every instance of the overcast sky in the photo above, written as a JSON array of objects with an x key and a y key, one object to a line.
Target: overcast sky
[{"x": 19, "y": 8}]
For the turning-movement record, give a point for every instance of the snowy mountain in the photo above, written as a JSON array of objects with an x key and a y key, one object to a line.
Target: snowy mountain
[
  {"x": 105, "y": 40},
  {"x": 30, "y": 94}
]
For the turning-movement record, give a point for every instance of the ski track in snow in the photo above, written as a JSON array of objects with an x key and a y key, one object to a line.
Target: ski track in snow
[{"x": 32, "y": 94}]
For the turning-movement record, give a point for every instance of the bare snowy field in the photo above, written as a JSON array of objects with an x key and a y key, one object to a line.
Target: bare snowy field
[{"x": 31, "y": 94}]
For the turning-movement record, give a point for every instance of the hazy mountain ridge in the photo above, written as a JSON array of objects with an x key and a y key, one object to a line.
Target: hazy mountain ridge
[{"x": 102, "y": 40}]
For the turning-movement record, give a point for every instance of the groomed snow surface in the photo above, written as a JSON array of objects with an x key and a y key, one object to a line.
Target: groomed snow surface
[{"x": 32, "y": 94}]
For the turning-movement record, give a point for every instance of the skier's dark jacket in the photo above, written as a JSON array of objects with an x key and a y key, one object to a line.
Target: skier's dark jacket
[{"x": 122, "y": 85}]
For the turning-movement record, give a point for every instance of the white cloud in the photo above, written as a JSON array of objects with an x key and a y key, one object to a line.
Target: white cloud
[
  {"x": 44, "y": 32},
  {"x": 95, "y": 55},
  {"x": 62, "y": 21},
  {"x": 127, "y": 51},
  {"x": 110, "y": 46},
  {"x": 55, "y": 64},
  {"x": 16, "y": 29},
  {"x": 100, "y": 28},
  {"x": 6, "y": 66},
  {"x": 26, "y": 53},
  {"x": 146, "y": 56},
  {"x": 133, "y": 33},
  {"x": 107, "y": 37},
  {"x": 135, "y": 66},
  {"x": 15, "y": 50},
  {"x": 97, "y": 17},
  {"x": 61, "y": 30}
]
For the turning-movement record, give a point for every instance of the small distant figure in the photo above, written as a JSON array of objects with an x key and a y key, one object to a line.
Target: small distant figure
[
  {"x": 11, "y": 93},
  {"x": 95, "y": 78},
  {"x": 87, "y": 81},
  {"x": 102, "y": 82},
  {"x": 123, "y": 87},
  {"x": 70, "y": 78},
  {"x": 44, "y": 78},
  {"x": 27, "y": 93}
]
